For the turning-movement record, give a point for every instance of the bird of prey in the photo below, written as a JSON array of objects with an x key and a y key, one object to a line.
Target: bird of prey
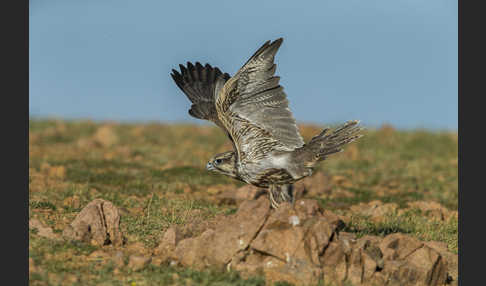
[{"x": 252, "y": 109}]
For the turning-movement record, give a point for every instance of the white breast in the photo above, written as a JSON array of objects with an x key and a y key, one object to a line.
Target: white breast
[{"x": 280, "y": 162}]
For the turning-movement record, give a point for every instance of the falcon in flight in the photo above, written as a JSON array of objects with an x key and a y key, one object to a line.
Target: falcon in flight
[{"x": 252, "y": 109}]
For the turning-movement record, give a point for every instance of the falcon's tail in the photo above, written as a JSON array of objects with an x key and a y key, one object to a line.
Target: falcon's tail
[{"x": 325, "y": 144}]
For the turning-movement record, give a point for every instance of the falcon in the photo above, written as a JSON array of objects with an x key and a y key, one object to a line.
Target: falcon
[{"x": 251, "y": 107}]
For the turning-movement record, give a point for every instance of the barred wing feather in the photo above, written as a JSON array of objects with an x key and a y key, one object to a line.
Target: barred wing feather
[{"x": 254, "y": 108}]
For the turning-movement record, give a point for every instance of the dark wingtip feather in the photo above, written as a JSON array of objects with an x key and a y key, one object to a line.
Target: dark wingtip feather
[
  {"x": 183, "y": 69},
  {"x": 277, "y": 42},
  {"x": 273, "y": 47},
  {"x": 267, "y": 47},
  {"x": 177, "y": 77},
  {"x": 198, "y": 83}
]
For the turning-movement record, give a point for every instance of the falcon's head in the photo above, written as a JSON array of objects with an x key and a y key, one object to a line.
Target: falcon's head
[{"x": 223, "y": 163}]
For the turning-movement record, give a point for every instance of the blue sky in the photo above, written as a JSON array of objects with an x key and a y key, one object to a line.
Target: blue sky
[{"x": 379, "y": 61}]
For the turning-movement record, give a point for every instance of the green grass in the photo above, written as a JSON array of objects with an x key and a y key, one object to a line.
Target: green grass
[
  {"x": 42, "y": 205},
  {"x": 103, "y": 273},
  {"x": 160, "y": 213},
  {"x": 411, "y": 222},
  {"x": 155, "y": 174}
]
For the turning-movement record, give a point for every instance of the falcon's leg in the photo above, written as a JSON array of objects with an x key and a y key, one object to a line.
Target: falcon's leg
[
  {"x": 287, "y": 193},
  {"x": 279, "y": 194},
  {"x": 273, "y": 193}
]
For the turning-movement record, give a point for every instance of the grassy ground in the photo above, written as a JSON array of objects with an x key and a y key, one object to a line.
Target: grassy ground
[{"x": 156, "y": 175}]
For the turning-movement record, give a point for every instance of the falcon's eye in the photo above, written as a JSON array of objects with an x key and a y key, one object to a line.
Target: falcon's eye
[{"x": 218, "y": 161}]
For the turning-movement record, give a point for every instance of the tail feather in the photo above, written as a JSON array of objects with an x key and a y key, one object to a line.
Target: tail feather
[{"x": 327, "y": 143}]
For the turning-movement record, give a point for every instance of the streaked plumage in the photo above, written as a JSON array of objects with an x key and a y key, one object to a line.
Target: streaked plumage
[{"x": 252, "y": 109}]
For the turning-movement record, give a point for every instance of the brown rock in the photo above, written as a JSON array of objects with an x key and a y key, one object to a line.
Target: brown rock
[
  {"x": 370, "y": 263},
  {"x": 291, "y": 234},
  {"x": 333, "y": 262},
  {"x": 429, "y": 266},
  {"x": 306, "y": 208},
  {"x": 298, "y": 272},
  {"x": 398, "y": 246},
  {"x": 138, "y": 262},
  {"x": 302, "y": 245},
  {"x": 287, "y": 234},
  {"x": 165, "y": 249},
  {"x": 231, "y": 235},
  {"x": 423, "y": 267},
  {"x": 334, "y": 220},
  {"x": 378, "y": 278},
  {"x": 169, "y": 241},
  {"x": 407, "y": 261},
  {"x": 355, "y": 267},
  {"x": 98, "y": 223},
  {"x": 43, "y": 230},
  {"x": 281, "y": 233},
  {"x": 410, "y": 262},
  {"x": 317, "y": 238},
  {"x": 366, "y": 258},
  {"x": 313, "y": 186},
  {"x": 367, "y": 240},
  {"x": 105, "y": 136},
  {"x": 347, "y": 239},
  {"x": 236, "y": 232},
  {"x": 433, "y": 210},
  {"x": 391, "y": 272},
  {"x": 376, "y": 210},
  {"x": 248, "y": 264},
  {"x": 450, "y": 259},
  {"x": 369, "y": 246},
  {"x": 193, "y": 251},
  {"x": 198, "y": 225},
  {"x": 247, "y": 192}
]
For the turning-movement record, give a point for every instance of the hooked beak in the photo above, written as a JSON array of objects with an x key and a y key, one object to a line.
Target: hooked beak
[{"x": 209, "y": 166}]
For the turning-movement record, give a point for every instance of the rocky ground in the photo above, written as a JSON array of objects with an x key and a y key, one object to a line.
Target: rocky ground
[{"x": 117, "y": 204}]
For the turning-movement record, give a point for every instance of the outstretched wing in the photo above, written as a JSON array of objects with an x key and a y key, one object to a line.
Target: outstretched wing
[
  {"x": 199, "y": 85},
  {"x": 254, "y": 108}
]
